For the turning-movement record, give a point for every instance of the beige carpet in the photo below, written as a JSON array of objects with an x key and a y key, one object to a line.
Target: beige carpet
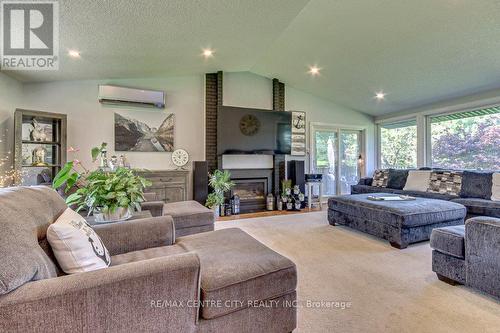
[{"x": 390, "y": 290}]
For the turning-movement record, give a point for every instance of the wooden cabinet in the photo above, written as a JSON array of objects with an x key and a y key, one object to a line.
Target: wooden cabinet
[
  {"x": 40, "y": 146},
  {"x": 169, "y": 185}
]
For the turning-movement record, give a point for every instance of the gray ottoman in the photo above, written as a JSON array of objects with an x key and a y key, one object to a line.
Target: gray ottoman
[
  {"x": 190, "y": 217},
  {"x": 400, "y": 222}
]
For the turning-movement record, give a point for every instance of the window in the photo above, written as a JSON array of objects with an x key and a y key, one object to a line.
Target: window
[
  {"x": 398, "y": 145},
  {"x": 466, "y": 140}
]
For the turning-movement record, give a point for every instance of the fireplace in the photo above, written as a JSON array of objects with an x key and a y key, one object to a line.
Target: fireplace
[
  {"x": 252, "y": 193},
  {"x": 252, "y": 186}
]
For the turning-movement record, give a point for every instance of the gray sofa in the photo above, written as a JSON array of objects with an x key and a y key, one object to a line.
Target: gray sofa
[
  {"x": 474, "y": 200},
  {"x": 220, "y": 281},
  {"x": 469, "y": 254}
]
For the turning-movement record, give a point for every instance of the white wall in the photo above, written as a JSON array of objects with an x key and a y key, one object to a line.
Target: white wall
[
  {"x": 90, "y": 123},
  {"x": 246, "y": 89},
  {"x": 10, "y": 96}
]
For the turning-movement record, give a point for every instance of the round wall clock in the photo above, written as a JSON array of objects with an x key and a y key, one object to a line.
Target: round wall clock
[
  {"x": 249, "y": 125},
  {"x": 180, "y": 157}
]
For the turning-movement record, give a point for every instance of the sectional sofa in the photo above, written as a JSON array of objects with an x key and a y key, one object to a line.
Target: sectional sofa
[
  {"x": 473, "y": 189},
  {"x": 218, "y": 281}
]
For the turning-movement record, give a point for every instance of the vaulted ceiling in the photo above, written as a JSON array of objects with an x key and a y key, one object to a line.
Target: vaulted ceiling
[{"x": 417, "y": 52}]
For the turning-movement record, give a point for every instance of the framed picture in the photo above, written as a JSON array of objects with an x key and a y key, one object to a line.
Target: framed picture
[
  {"x": 144, "y": 131},
  {"x": 298, "y": 133}
]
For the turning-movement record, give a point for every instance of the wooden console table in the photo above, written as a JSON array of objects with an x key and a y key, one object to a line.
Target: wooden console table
[{"x": 169, "y": 185}]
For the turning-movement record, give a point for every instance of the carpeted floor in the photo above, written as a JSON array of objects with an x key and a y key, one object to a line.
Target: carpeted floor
[{"x": 390, "y": 290}]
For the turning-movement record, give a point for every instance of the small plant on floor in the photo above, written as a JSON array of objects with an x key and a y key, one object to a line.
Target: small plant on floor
[
  {"x": 101, "y": 190},
  {"x": 292, "y": 198},
  {"x": 220, "y": 182}
]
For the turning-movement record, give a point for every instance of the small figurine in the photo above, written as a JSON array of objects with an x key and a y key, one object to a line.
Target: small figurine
[
  {"x": 38, "y": 132},
  {"x": 39, "y": 156}
]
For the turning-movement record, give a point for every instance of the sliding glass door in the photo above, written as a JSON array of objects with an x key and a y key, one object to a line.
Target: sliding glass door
[{"x": 335, "y": 154}]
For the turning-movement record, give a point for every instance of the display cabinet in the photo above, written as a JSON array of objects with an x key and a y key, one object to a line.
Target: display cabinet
[{"x": 40, "y": 146}]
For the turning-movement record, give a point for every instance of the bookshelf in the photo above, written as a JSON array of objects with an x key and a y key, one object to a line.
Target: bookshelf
[{"x": 40, "y": 146}]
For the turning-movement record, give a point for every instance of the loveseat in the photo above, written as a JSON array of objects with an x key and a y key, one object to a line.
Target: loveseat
[
  {"x": 469, "y": 254},
  {"x": 219, "y": 281},
  {"x": 472, "y": 189}
]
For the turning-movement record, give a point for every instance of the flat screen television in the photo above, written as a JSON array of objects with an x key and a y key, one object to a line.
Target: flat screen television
[{"x": 247, "y": 131}]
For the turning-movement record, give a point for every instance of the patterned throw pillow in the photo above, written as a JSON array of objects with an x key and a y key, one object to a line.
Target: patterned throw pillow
[
  {"x": 380, "y": 178},
  {"x": 75, "y": 244},
  {"x": 445, "y": 182}
]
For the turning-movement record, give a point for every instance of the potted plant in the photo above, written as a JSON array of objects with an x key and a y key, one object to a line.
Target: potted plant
[
  {"x": 220, "y": 182},
  {"x": 109, "y": 195}
]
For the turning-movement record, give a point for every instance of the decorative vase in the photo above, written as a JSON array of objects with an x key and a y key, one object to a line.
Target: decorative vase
[
  {"x": 279, "y": 203},
  {"x": 120, "y": 214}
]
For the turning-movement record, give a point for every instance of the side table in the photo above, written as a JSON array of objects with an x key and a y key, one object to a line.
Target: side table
[{"x": 309, "y": 191}]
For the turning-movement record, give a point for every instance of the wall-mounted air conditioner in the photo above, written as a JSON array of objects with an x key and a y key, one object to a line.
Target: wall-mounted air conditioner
[{"x": 109, "y": 94}]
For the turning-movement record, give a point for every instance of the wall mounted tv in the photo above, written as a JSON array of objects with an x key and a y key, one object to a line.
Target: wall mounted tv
[{"x": 247, "y": 131}]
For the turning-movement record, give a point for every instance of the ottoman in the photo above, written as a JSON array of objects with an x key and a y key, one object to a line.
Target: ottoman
[
  {"x": 190, "y": 217},
  {"x": 399, "y": 222}
]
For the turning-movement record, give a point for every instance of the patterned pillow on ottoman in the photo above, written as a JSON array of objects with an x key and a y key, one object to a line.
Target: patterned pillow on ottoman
[
  {"x": 445, "y": 182},
  {"x": 380, "y": 178}
]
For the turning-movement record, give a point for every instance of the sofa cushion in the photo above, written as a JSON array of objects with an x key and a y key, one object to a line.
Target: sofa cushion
[
  {"x": 25, "y": 214},
  {"x": 188, "y": 214},
  {"x": 480, "y": 207},
  {"x": 495, "y": 188},
  {"x": 449, "y": 240},
  {"x": 237, "y": 269},
  {"x": 445, "y": 182},
  {"x": 380, "y": 178},
  {"x": 418, "y": 180},
  {"x": 358, "y": 189},
  {"x": 399, "y": 214},
  {"x": 76, "y": 245},
  {"x": 397, "y": 178},
  {"x": 476, "y": 184}
]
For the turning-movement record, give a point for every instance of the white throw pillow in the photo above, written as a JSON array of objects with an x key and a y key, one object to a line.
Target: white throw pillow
[
  {"x": 495, "y": 189},
  {"x": 75, "y": 244},
  {"x": 418, "y": 180}
]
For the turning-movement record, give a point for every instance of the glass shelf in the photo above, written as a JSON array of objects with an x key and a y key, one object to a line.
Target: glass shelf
[{"x": 41, "y": 142}]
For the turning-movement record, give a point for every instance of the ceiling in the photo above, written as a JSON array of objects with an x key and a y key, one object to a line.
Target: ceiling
[{"x": 417, "y": 52}]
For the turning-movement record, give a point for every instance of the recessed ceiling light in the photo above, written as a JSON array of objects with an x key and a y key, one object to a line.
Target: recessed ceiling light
[
  {"x": 74, "y": 54},
  {"x": 314, "y": 70},
  {"x": 380, "y": 95},
  {"x": 208, "y": 53}
]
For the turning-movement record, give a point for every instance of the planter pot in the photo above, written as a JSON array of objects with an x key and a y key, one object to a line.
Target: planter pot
[
  {"x": 216, "y": 210},
  {"x": 120, "y": 214}
]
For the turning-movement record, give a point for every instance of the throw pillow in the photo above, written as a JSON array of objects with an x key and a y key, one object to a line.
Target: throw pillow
[
  {"x": 476, "y": 184},
  {"x": 495, "y": 189},
  {"x": 418, "y": 180},
  {"x": 380, "y": 178},
  {"x": 397, "y": 178},
  {"x": 445, "y": 182},
  {"x": 75, "y": 244}
]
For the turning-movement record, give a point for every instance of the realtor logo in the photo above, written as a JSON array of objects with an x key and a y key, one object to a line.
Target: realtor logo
[{"x": 29, "y": 35}]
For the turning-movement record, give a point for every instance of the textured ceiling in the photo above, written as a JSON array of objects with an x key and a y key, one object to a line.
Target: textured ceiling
[{"x": 418, "y": 52}]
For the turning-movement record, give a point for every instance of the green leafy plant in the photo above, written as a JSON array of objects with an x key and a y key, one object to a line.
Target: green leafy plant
[
  {"x": 220, "y": 182},
  {"x": 214, "y": 200},
  {"x": 100, "y": 190}
]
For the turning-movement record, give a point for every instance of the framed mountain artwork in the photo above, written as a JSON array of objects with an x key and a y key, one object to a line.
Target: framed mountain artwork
[{"x": 144, "y": 131}]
